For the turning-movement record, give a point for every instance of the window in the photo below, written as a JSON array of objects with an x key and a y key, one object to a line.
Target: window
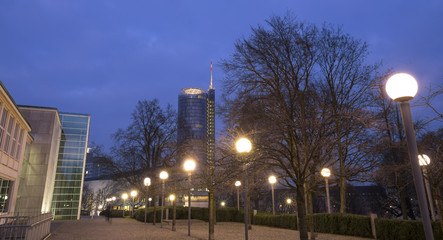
[
  {"x": 5, "y": 186},
  {"x": 3, "y": 126}
]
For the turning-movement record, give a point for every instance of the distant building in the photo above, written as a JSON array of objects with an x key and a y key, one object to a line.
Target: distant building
[
  {"x": 94, "y": 170},
  {"x": 14, "y": 142},
  {"x": 38, "y": 171},
  {"x": 196, "y": 131},
  {"x": 66, "y": 201}
]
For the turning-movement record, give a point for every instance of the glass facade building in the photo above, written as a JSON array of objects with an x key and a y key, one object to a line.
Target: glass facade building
[{"x": 66, "y": 200}]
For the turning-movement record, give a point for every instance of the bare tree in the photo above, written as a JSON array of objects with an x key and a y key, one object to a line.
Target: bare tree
[{"x": 145, "y": 147}]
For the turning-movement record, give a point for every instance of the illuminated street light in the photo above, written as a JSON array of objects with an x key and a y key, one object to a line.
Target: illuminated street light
[
  {"x": 189, "y": 166},
  {"x": 424, "y": 161},
  {"x": 272, "y": 180},
  {"x": 238, "y": 184},
  {"x": 147, "y": 182},
  {"x": 223, "y": 204},
  {"x": 244, "y": 145},
  {"x": 172, "y": 199},
  {"x": 163, "y": 176},
  {"x": 289, "y": 201},
  {"x": 402, "y": 88},
  {"x": 326, "y": 173},
  {"x": 124, "y": 196},
  {"x": 133, "y": 195}
]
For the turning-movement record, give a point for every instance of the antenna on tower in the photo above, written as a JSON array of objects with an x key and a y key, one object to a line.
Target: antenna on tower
[{"x": 210, "y": 86}]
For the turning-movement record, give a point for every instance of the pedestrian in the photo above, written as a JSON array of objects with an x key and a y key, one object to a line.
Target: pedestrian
[{"x": 108, "y": 213}]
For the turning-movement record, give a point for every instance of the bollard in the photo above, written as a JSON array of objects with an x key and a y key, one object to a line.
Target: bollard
[{"x": 374, "y": 232}]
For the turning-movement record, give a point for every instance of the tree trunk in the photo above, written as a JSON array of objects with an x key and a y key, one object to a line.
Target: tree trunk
[
  {"x": 404, "y": 210},
  {"x": 438, "y": 205},
  {"x": 342, "y": 182},
  {"x": 155, "y": 209},
  {"x": 300, "y": 195},
  {"x": 211, "y": 205}
]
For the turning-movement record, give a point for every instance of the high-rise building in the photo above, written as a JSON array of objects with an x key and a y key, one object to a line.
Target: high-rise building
[
  {"x": 66, "y": 200},
  {"x": 196, "y": 123}
]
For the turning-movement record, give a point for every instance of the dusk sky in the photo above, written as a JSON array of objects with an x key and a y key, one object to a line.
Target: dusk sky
[{"x": 101, "y": 57}]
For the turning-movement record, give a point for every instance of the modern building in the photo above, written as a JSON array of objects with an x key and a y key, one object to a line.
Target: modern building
[
  {"x": 94, "y": 170},
  {"x": 196, "y": 131},
  {"x": 66, "y": 200},
  {"x": 39, "y": 167},
  {"x": 14, "y": 142}
]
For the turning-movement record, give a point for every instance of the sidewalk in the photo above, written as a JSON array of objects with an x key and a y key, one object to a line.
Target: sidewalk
[{"x": 125, "y": 228}]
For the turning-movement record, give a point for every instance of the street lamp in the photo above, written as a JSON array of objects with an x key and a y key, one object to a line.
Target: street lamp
[
  {"x": 223, "y": 204},
  {"x": 172, "y": 199},
  {"x": 238, "y": 184},
  {"x": 272, "y": 180},
  {"x": 163, "y": 176},
  {"x": 326, "y": 173},
  {"x": 189, "y": 166},
  {"x": 147, "y": 183},
  {"x": 424, "y": 161},
  {"x": 133, "y": 194},
  {"x": 243, "y": 145},
  {"x": 124, "y": 196},
  {"x": 402, "y": 88}
]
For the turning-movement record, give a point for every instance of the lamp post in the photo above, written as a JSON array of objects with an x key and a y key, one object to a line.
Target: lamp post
[
  {"x": 147, "y": 183},
  {"x": 272, "y": 180},
  {"x": 402, "y": 88},
  {"x": 238, "y": 184},
  {"x": 189, "y": 166},
  {"x": 133, "y": 195},
  {"x": 124, "y": 196},
  {"x": 172, "y": 199},
  {"x": 163, "y": 176},
  {"x": 326, "y": 173},
  {"x": 289, "y": 202},
  {"x": 243, "y": 145},
  {"x": 424, "y": 161}
]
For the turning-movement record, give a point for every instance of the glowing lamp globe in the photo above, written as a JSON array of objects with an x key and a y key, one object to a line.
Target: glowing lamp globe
[
  {"x": 237, "y": 183},
  {"x": 172, "y": 197},
  {"x": 401, "y": 87},
  {"x": 133, "y": 193},
  {"x": 189, "y": 165},
  {"x": 424, "y": 160},
  {"x": 272, "y": 179},
  {"x": 125, "y": 196},
  {"x": 325, "y": 172},
  {"x": 223, "y": 204},
  {"x": 243, "y": 145},
  {"x": 288, "y": 201},
  {"x": 147, "y": 182},
  {"x": 113, "y": 198},
  {"x": 164, "y": 175}
]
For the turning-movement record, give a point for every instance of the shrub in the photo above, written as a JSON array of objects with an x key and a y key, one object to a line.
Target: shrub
[{"x": 404, "y": 229}]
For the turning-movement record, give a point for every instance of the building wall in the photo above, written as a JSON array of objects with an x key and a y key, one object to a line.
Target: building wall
[
  {"x": 13, "y": 136},
  {"x": 66, "y": 202},
  {"x": 38, "y": 172}
]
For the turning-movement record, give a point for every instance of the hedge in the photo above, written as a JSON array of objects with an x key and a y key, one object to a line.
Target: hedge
[{"x": 335, "y": 223}]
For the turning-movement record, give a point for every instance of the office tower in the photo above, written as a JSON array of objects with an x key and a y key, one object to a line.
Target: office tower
[
  {"x": 39, "y": 167},
  {"x": 66, "y": 200},
  {"x": 14, "y": 142},
  {"x": 196, "y": 124}
]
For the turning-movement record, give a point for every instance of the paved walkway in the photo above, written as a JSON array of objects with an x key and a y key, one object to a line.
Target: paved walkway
[{"x": 125, "y": 228}]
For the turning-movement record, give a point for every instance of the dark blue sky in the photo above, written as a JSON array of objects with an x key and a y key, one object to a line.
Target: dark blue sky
[{"x": 101, "y": 57}]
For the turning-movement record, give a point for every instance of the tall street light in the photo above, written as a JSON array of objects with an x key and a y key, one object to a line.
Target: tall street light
[
  {"x": 147, "y": 183},
  {"x": 424, "y": 161},
  {"x": 189, "y": 166},
  {"x": 326, "y": 173},
  {"x": 163, "y": 176},
  {"x": 124, "y": 196},
  {"x": 243, "y": 145},
  {"x": 172, "y": 199},
  {"x": 402, "y": 88},
  {"x": 133, "y": 195},
  {"x": 272, "y": 180},
  {"x": 238, "y": 184}
]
